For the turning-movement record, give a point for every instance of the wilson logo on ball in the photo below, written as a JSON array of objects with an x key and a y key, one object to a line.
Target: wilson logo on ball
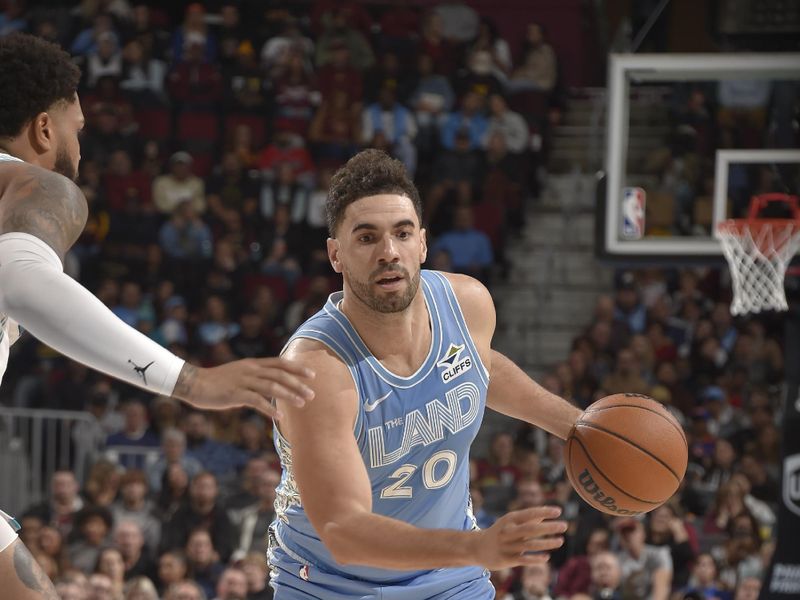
[{"x": 592, "y": 488}]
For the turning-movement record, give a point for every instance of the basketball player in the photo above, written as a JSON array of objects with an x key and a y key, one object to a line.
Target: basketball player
[
  {"x": 373, "y": 501},
  {"x": 42, "y": 213}
]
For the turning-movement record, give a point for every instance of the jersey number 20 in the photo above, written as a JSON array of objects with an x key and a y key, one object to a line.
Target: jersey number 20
[{"x": 429, "y": 478}]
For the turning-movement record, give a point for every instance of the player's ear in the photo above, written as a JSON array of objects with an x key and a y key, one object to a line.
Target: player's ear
[
  {"x": 333, "y": 254},
  {"x": 423, "y": 245},
  {"x": 41, "y": 132}
]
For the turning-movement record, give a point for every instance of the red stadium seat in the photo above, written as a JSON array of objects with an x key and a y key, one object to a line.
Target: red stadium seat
[
  {"x": 154, "y": 123},
  {"x": 195, "y": 126},
  {"x": 278, "y": 286},
  {"x": 256, "y": 124}
]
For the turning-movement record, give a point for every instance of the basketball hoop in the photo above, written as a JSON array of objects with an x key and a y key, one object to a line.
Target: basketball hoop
[{"x": 758, "y": 252}]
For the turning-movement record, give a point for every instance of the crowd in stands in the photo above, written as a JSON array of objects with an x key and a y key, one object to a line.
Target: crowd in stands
[
  {"x": 670, "y": 335},
  {"x": 210, "y": 141},
  {"x": 705, "y": 117}
]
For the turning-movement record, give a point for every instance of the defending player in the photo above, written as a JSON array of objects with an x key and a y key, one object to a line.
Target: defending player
[
  {"x": 374, "y": 501},
  {"x": 42, "y": 213}
]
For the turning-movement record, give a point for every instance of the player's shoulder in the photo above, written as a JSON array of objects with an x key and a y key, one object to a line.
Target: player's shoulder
[
  {"x": 316, "y": 355},
  {"x": 468, "y": 290},
  {"x": 476, "y": 304},
  {"x": 17, "y": 175}
]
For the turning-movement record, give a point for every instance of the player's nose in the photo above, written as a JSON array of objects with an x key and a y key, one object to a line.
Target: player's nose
[{"x": 389, "y": 249}]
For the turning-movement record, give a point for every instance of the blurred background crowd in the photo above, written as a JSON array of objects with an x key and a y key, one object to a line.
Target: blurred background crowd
[{"x": 211, "y": 134}]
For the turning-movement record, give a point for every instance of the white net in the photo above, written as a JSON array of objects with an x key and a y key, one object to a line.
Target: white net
[{"x": 758, "y": 253}]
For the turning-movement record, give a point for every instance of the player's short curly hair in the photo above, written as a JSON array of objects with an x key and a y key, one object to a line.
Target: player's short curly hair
[
  {"x": 368, "y": 173},
  {"x": 34, "y": 75}
]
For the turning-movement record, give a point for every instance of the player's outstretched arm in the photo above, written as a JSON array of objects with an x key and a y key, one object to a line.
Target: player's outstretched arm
[
  {"x": 337, "y": 496},
  {"x": 41, "y": 216},
  {"x": 21, "y": 576},
  {"x": 511, "y": 391}
]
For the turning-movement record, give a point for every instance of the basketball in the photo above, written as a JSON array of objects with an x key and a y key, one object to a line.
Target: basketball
[{"x": 626, "y": 455}]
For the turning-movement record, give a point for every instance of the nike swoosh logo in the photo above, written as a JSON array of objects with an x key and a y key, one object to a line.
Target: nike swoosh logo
[{"x": 370, "y": 406}]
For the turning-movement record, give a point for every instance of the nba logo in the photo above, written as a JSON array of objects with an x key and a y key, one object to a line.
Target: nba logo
[{"x": 633, "y": 199}]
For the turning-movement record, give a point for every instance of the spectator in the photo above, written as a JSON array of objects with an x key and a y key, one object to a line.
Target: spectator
[
  {"x": 538, "y": 69},
  {"x": 142, "y": 76},
  {"x": 101, "y": 587},
  {"x": 140, "y": 588},
  {"x": 529, "y": 493},
  {"x": 185, "y": 590},
  {"x": 13, "y": 18},
  {"x": 128, "y": 446},
  {"x": 102, "y": 483},
  {"x": 606, "y": 577},
  {"x": 626, "y": 378},
  {"x": 194, "y": 31},
  {"x": 738, "y": 555},
  {"x": 217, "y": 326},
  {"x": 341, "y": 32},
  {"x": 336, "y": 128},
  {"x": 106, "y": 60},
  {"x": 135, "y": 506},
  {"x": 496, "y": 473},
  {"x": 575, "y": 577},
  {"x": 130, "y": 541},
  {"x": 490, "y": 41},
  {"x": 232, "y": 585},
  {"x": 470, "y": 249},
  {"x": 667, "y": 527},
  {"x": 172, "y": 569},
  {"x": 390, "y": 118},
  {"x": 284, "y": 190},
  {"x": 295, "y": 95},
  {"x": 434, "y": 43},
  {"x": 185, "y": 238},
  {"x": 193, "y": 81},
  {"x": 254, "y": 521},
  {"x": 246, "y": 495},
  {"x": 748, "y": 588},
  {"x": 255, "y": 569},
  {"x": 704, "y": 581},
  {"x": 276, "y": 51},
  {"x": 469, "y": 118},
  {"x": 68, "y": 589},
  {"x": 92, "y": 526},
  {"x": 178, "y": 186},
  {"x": 338, "y": 73},
  {"x": 232, "y": 189},
  {"x": 456, "y": 174},
  {"x": 202, "y": 510},
  {"x": 286, "y": 148},
  {"x": 646, "y": 570},
  {"x": 110, "y": 564},
  {"x": 173, "y": 451},
  {"x": 205, "y": 567},
  {"x": 509, "y": 124},
  {"x": 87, "y": 40},
  {"x": 535, "y": 581}
]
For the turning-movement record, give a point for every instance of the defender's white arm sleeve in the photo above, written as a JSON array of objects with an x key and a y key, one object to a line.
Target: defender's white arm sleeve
[
  {"x": 7, "y": 533},
  {"x": 55, "y": 308}
]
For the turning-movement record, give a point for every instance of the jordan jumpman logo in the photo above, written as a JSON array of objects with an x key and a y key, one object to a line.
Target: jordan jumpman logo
[{"x": 141, "y": 370}]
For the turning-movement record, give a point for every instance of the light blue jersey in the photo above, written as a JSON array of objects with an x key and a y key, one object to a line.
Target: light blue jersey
[{"x": 414, "y": 434}]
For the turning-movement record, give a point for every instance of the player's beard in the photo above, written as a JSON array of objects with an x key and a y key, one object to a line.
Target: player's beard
[
  {"x": 385, "y": 303},
  {"x": 64, "y": 164}
]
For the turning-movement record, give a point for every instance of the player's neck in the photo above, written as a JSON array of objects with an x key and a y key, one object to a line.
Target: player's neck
[
  {"x": 18, "y": 149},
  {"x": 401, "y": 340}
]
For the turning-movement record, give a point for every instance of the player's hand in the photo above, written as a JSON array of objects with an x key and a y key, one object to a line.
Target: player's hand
[
  {"x": 509, "y": 542},
  {"x": 251, "y": 383}
]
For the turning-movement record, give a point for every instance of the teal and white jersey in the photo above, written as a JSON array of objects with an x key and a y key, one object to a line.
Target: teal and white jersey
[
  {"x": 414, "y": 434},
  {"x": 9, "y": 331}
]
